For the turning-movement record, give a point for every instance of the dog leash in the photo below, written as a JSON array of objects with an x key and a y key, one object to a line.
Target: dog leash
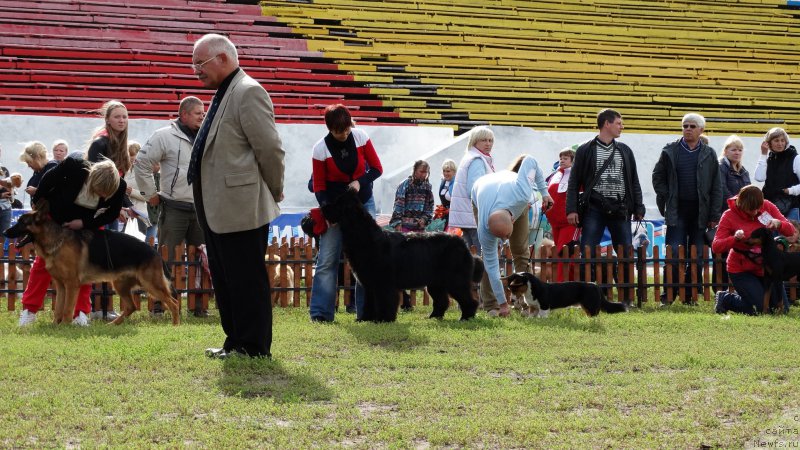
[{"x": 108, "y": 250}]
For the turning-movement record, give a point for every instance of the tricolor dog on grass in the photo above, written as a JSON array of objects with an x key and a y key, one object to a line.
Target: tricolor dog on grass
[{"x": 548, "y": 296}]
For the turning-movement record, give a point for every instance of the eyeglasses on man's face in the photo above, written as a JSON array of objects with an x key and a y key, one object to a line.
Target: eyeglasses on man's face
[
  {"x": 689, "y": 125},
  {"x": 199, "y": 66}
]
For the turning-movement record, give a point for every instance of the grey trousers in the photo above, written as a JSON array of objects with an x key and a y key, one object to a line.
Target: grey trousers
[{"x": 175, "y": 226}]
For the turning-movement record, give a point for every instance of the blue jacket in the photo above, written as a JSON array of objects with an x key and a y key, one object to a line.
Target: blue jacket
[{"x": 731, "y": 180}]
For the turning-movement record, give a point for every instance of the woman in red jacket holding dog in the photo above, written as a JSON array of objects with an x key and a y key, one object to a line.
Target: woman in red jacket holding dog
[{"x": 747, "y": 212}]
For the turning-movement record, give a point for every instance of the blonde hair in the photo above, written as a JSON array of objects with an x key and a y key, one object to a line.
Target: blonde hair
[
  {"x": 478, "y": 133},
  {"x": 33, "y": 151},
  {"x": 117, "y": 142},
  {"x": 133, "y": 148},
  {"x": 734, "y": 140},
  {"x": 103, "y": 178},
  {"x": 449, "y": 164}
]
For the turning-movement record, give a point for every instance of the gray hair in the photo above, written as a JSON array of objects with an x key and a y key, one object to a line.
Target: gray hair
[
  {"x": 478, "y": 133},
  {"x": 775, "y": 133},
  {"x": 217, "y": 44},
  {"x": 696, "y": 119},
  {"x": 58, "y": 142}
]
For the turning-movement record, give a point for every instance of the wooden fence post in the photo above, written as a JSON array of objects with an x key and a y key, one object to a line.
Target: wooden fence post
[{"x": 308, "y": 269}]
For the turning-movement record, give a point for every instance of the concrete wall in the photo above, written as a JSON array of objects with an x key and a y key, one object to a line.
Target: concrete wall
[
  {"x": 545, "y": 146},
  {"x": 398, "y": 148},
  {"x": 395, "y": 146}
]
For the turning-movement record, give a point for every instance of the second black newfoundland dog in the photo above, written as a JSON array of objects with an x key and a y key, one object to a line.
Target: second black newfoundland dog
[{"x": 385, "y": 262}]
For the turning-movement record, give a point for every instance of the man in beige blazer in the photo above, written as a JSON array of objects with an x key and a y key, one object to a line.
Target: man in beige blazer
[{"x": 236, "y": 172}]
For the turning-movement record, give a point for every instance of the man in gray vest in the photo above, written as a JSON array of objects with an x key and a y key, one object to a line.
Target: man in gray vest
[{"x": 171, "y": 148}]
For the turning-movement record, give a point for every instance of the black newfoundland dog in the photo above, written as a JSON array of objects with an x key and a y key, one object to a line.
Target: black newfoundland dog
[{"x": 385, "y": 262}]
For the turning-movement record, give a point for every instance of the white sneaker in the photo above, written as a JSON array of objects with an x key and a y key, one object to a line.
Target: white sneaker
[
  {"x": 26, "y": 318},
  {"x": 82, "y": 320},
  {"x": 111, "y": 315},
  {"x": 96, "y": 315}
]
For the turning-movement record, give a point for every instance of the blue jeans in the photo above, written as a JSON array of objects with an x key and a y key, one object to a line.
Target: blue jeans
[
  {"x": 470, "y": 236},
  {"x": 687, "y": 234},
  {"x": 749, "y": 296},
  {"x": 794, "y": 214},
  {"x": 324, "y": 288},
  {"x": 593, "y": 224}
]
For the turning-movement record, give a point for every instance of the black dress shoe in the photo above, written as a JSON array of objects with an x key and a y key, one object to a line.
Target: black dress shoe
[
  {"x": 200, "y": 313},
  {"x": 320, "y": 319}
]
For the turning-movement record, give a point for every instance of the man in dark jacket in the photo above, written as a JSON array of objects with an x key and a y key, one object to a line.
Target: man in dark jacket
[
  {"x": 604, "y": 190},
  {"x": 688, "y": 194}
]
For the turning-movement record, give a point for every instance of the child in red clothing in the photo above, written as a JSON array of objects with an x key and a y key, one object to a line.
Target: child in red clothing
[{"x": 563, "y": 232}]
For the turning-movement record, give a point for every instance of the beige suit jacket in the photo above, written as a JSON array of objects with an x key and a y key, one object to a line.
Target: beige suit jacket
[{"x": 242, "y": 168}]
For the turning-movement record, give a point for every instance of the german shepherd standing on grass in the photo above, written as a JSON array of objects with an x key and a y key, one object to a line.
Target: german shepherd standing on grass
[{"x": 74, "y": 258}]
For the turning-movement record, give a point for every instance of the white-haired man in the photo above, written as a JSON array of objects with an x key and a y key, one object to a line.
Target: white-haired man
[
  {"x": 236, "y": 172},
  {"x": 688, "y": 193}
]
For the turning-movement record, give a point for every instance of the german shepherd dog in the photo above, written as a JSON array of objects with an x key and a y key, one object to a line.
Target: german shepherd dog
[
  {"x": 547, "y": 296},
  {"x": 74, "y": 258},
  {"x": 386, "y": 262},
  {"x": 778, "y": 265}
]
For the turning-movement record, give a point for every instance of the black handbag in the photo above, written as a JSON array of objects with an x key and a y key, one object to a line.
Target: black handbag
[{"x": 587, "y": 196}]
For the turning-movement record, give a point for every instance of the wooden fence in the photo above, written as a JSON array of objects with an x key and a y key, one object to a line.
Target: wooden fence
[{"x": 626, "y": 276}]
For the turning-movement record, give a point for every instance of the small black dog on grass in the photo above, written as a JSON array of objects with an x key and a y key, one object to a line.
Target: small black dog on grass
[
  {"x": 560, "y": 295},
  {"x": 386, "y": 262},
  {"x": 778, "y": 266}
]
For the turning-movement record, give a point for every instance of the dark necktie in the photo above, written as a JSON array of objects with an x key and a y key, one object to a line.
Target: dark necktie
[{"x": 200, "y": 141}]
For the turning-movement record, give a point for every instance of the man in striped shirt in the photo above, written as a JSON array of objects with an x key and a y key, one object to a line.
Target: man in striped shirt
[{"x": 604, "y": 190}]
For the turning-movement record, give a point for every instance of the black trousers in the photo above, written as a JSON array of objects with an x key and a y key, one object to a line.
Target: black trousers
[{"x": 241, "y": 288}]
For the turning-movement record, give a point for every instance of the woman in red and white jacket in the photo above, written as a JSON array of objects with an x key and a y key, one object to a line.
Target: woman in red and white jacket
[
  {"x": 563, "y": 232},
  {"x": 747, "y": 212},
  {"x": 344, "y": 159}
]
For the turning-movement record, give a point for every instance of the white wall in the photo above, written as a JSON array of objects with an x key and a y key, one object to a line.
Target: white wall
[
  {"x": 395, "y": 145},
  {"x": 545, "y": 146},
  {"x": 398, "y": 147}
]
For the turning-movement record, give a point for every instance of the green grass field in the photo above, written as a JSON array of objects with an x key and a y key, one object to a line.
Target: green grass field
[{"x": 682, "y": 378}]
